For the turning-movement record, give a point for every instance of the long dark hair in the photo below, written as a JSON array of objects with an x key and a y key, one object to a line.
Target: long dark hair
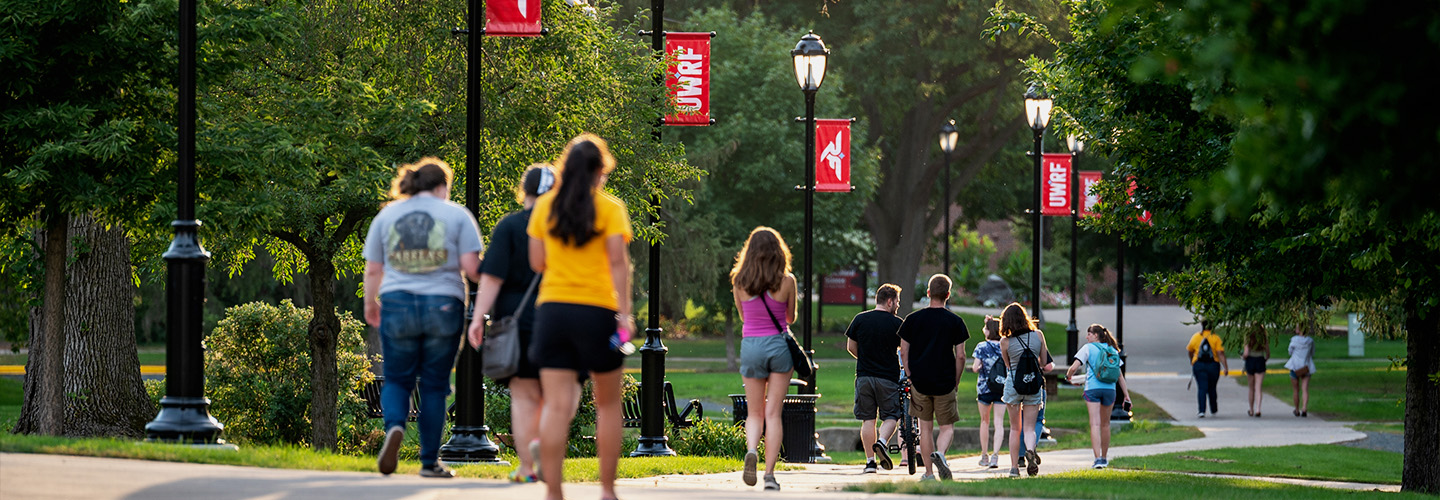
[
  {"x": 1015, "y": 321},
  {"x": 1103, "y": 335},
  {"x": 572, "y": 214},
  {"x": 762, "y": 263}
]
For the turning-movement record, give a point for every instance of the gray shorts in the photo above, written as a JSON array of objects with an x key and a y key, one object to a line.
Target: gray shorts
[
  {"x": 875, "y": 395},
  {"x": 761, "y": 356},
  {"x": 1014, "y": 398}
]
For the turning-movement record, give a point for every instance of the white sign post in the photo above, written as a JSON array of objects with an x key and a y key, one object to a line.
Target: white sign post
[{"x": 1357, "y": 337}]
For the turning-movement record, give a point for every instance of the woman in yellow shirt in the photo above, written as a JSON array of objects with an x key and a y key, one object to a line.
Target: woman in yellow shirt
[{"x": 578, "y": 239}]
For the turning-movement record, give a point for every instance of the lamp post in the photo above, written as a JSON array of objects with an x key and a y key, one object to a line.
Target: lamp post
[
  {"x": 1037, "y": 115},
  {"x": 1072, "y": 332},
  {"x": 948, "y": 137},
  {"x": 185, "y": 411},
  {"x": 1118, "y": 412},
  {"x": 809, "y": 56}
]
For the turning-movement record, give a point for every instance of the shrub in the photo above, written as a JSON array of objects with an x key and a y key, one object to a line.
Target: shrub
[
  {"x": 582, "y": 429},
  {"x": 708, "y": 438},
  {"x": 257, "y": 371}
]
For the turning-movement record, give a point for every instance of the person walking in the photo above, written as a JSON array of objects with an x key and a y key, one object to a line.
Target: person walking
[
  {"x": 1302, "y": 366},
  {"x": 505, "y": 278},
  {"x": 1022, "y": 346},
  {"x": 1255, "y": 354},
  {"x": 1101, "y": 360},
  {"x": 872, "y": 339},
  {"x": 1207, "y": 361},
  {"x": 988, "y": 389},
  {"x": 415, "y": 251},
  {"x": 764, "y": 292},
  {"x": 932, "y": 345},
  {"x": 579, "y": 240}
]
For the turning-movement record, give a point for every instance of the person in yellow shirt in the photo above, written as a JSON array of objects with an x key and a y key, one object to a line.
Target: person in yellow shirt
[
  {"x": 1207, "y": 360},
  {"x": 578, "y": 239}
]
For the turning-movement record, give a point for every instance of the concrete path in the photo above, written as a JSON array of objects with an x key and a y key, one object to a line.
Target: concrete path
[{"x": 1154, "y": 341}]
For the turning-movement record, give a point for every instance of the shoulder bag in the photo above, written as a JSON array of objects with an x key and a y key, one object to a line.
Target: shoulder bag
[
  {"x": 804, "y": 366},
  {"x": 500, "y": 354}
]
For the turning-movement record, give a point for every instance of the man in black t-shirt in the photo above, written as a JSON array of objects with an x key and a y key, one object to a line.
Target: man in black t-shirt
[
  {"x": 932, "y": 347},
  {"x": 872, "y": 339}
]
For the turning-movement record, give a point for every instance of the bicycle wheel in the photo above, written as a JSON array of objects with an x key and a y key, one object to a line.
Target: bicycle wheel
[{"x": 908, "y": 436}]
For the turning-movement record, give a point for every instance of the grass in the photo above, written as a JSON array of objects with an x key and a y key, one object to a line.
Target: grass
[
  {"x": 1139, "y": 432},
  {"x": 1124, "y": 485},
  {"x": 1348, "y": 390},
  {"x": 1328, "y": 462},
  {"x": 290, "y": 457},
  {"x": 148, "y": 356},
  {"x": 1385, "y": 427}
]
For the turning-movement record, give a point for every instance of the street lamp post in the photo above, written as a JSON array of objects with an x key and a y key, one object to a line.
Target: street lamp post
[
  {"x": 1037, "y": 115},
  {"x": 1118, "y": 412},
  {"x": 185, "y": 411},
  {"x": 1072, "y": 332},
  {"x": 809, "y": 56},
  {"x": 948, "y": 137}
]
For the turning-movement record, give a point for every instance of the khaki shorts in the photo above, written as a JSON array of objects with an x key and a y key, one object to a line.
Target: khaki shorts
[{"x": 944, "y": 410}]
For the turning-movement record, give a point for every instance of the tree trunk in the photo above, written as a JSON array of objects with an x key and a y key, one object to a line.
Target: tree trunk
[
  {"x": 324, "y": 338},
  {"x": 101, "y": 371},
  {"x": 1421, "y": 471},
  {"x": 732, "y": 362},
  {"x": 43, "y": 410}
]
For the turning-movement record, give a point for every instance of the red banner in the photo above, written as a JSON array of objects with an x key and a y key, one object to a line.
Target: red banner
[
  {"x": 832, "y": 157},
  {"x": 843, "y": 287},
  {"x": 1088, "y": 180},
  {"x": 512, "y": 17},
  {"x": 1144, "y": 214},
  {"x": 1055, "y": 184},
  {"x": 689, "y": 77}
]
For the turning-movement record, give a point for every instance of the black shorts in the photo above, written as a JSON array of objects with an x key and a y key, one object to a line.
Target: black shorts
[
  {"x": 574, "y": 337},
  {"x": 527, "y": 369},
  {"x": 989, "y": 398},
  {"x": 1254, "y": 364}
]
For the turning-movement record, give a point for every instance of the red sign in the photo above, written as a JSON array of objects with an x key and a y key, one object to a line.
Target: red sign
[
  {"x": 512, "y": 17},
  {"x": 1055, "y": 184},
  {"x": 843, "y": 287},
  {"x": 1088, "y": 180},
  {"x": 689, "y": 77},
  {"x": 1144, "y": 214},
  {"x": 832, "y": 157}
]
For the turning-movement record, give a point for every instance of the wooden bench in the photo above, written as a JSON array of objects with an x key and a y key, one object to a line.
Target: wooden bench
[
  {"x": 632, "y": 411},
  {"x": 371, "y": 393}
]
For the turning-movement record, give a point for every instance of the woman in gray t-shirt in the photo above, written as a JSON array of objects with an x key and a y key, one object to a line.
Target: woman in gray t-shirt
[{"x": 1018, "y": 332}]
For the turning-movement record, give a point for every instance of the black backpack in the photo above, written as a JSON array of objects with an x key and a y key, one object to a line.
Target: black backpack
[
  {"x": 1206, "y": 354},
  {"x": 1028, "y": 378},
  {"x": 995, "y": 376}
]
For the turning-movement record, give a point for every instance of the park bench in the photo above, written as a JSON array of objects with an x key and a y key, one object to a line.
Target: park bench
[
  {"x": 371, "y": 393},
  {"x": 632, "y": 410}
]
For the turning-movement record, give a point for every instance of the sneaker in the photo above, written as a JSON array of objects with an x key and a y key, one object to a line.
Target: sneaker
[
  {"x": 925, "y": 478},
  {"x": 1099, "y": 464},
  {"x": 1201, "y": 415},
  {"x": 995, "y": 461},
  {"x": 1014, "y": 472},
  {"x": 1032, "y": 466},
  {"x": 436, "y": 469},
  {"x": 535, "y": 457},
  {"x": 882, "y": 455},
  {"x": 1020, "y": 462},
  {"x": 984, "y": 460},
  {"x": 1104, "y": 462},
  {"x": 870, "y": 468},
  {"x": 390, "y": 451},
  {"x": 941, "y": 468},
  {"x": 749, "y": 474},
  {"x": 771, "y": 484}
]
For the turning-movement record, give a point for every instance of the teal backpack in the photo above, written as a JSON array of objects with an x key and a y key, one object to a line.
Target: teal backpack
[{"x": 1107, "y": 367}]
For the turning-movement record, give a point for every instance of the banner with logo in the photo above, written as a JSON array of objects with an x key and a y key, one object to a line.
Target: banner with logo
[
  {"x": 1144, "y": 214},
  {"x": 846, "y": 286},
  {"x": 832, "y": 155},
  {"x": 1055, "y": 184},
  {"x": 512, "y": 17},
  {"x": 1088, "y": 180},
  {"x": 689, "y": 77}
]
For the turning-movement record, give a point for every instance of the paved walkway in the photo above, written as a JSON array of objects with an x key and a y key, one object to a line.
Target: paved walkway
[{"x": 1154, "y": 340}]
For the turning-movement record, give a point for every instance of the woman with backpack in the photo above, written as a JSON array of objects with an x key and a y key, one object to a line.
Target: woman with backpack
[
  {"x": 988, "y": 389},
  {"x": 1022, "y": 346},
  {"x": 1101, "y": 358}
]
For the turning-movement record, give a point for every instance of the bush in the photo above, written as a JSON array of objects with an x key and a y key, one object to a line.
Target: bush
[
  {"x": 582, "y": 429},
  {"x": 709, "y": 438},
  {"x": 257, "y": 371}
]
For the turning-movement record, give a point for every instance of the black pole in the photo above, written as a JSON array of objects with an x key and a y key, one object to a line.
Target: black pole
[
  {"x": 185, "y": 411},
  {"x": 809, "y": 228},
  {"x": 1035, "y": 238},
  {"x": 469, "y": 441},
  {"x": 1072, "y": 332},
  {"x": 652, "y": 440},
  {"x": 945, "y": 205},
  {"x": 1118, "y": 413}
]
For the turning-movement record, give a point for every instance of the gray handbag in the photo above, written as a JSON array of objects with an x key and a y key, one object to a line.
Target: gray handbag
[{"x": 500, "y": 354}]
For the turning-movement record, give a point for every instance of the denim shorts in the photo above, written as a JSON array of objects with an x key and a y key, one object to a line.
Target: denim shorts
[
  {"x": 761, "y": 356},
  {"x": 1106, "y": 397}
]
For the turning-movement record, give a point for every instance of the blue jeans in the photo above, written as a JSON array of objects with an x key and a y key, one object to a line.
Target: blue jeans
[
  {"x": 419, "y": 335},
  {"x": 1039, "y": 424},
  {"x": 1207, "y": 378}
]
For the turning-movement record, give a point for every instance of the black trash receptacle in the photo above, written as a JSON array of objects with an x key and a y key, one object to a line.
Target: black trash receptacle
[{"x": 798, "y": 416}]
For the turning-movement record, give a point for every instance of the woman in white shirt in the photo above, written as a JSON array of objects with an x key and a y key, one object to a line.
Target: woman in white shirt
[{"x": 1301, "y": 366}]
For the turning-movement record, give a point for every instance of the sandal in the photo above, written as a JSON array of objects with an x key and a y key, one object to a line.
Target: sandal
[
  {"x": 515, "y": 477},
  {"x": 535, "y": 456}
]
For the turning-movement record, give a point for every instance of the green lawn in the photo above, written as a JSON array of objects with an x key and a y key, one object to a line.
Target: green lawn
[
  {"x": 1115, "y": 484},
  {"x": 1348, "y": 390},
  {"x": 1138, "y": 433},
  {"x": 1329, "y": 462},
  {"x": 148, "y": 356}
]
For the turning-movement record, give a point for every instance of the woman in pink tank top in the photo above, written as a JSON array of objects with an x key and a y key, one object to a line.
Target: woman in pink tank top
[{"x": 764, "y": 293}]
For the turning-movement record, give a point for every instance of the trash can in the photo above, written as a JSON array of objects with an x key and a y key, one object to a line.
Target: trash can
[{"x": 801, "y": 443}]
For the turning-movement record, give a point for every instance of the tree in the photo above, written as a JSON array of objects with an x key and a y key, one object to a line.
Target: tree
[
  {"x": 1259, "y": 117},
  {"x": 301, "y": 148}
]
